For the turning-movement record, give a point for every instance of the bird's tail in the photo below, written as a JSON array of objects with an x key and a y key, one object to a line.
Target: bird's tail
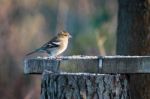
[{"x": 33, "y": 52}]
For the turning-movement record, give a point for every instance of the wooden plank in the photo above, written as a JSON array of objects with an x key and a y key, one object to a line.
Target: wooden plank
[
  {"x": 89, "y": 64},
  {"x": 126, "y": 64},
  {"x": 37, "y": 66}
]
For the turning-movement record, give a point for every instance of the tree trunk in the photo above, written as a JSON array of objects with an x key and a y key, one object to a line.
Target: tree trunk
[{"x": 133, "y": 38}]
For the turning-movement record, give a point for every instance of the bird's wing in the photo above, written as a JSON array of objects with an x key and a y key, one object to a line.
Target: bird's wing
[
  {"x": 33, "y": 52},
  {"x": 52, "y": 44}
]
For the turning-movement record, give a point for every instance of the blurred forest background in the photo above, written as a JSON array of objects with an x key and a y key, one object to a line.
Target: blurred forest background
[{"x": 27, "y": 24}]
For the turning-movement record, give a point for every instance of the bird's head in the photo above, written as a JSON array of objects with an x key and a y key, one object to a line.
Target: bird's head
[{"x": 64, "y": 34}]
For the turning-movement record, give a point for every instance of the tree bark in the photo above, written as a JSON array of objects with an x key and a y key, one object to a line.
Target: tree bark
[
  {"x": 83, "y": 86},
  {"x": 133, "y": 38}
]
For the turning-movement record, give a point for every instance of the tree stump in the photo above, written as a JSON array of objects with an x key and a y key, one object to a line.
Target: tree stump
[{"x": 83, "y": 86}]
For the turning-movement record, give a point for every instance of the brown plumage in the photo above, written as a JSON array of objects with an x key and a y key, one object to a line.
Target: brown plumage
[{"x": 55, "y": 46}]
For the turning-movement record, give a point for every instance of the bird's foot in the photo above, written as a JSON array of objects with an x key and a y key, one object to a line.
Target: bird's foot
[
  {"x": 55, "y": 57},
  {"x": 58, "y": 58}
]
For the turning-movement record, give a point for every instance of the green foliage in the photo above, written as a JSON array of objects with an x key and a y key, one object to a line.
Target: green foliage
[
  {"x": 99, "y": 18},
  {"x": 84, "y": 42}
]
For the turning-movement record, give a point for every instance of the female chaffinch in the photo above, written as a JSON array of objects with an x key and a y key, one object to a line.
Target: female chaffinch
[{"x": 56, "y": 46}]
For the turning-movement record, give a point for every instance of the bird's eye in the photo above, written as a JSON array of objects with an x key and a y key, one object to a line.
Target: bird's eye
[{"x": 65, "y": 34}]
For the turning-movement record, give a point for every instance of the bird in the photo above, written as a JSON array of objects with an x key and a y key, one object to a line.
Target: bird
[{"x": 56, "y": 46}]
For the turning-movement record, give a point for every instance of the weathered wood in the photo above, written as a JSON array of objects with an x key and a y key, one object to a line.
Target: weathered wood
[
  {"x": 83, "y": 86},
  {"x": 37, "y": 66},
  {"x": 89, "y": 64}
]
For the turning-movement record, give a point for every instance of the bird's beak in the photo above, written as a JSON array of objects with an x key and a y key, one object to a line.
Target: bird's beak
[{"x": 70, "y": 36}]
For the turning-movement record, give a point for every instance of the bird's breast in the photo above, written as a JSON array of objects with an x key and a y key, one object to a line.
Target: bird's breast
[{"x": 60, "y": 49}]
